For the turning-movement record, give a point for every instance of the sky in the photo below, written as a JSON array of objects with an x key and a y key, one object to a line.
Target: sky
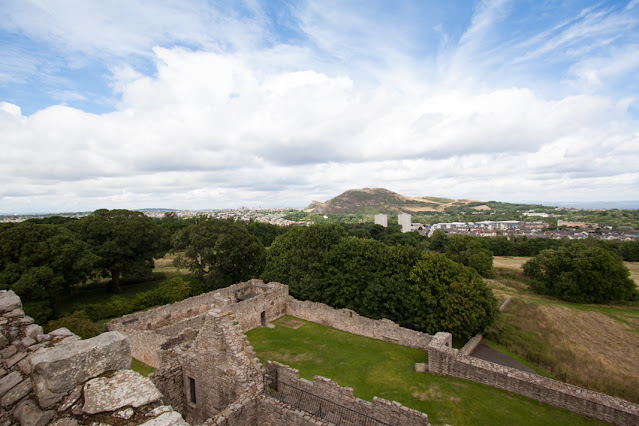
[{"x": 197, "y": 104}]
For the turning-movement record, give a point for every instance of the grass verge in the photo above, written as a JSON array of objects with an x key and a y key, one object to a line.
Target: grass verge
[
  {"x": 375, "y": 368},
  {"x": 141, "y": 367}
]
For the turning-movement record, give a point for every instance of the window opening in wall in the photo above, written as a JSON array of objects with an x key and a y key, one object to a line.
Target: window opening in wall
[
  {"x": 263, "y": 318},
  {"x": 192, "y": 397}
]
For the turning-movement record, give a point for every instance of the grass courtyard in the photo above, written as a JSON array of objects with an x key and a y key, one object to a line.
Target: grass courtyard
[{"x": 375, "y": 368}]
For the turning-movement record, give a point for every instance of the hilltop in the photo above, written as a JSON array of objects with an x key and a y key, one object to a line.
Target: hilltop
[{"x": 380, "y": 200}]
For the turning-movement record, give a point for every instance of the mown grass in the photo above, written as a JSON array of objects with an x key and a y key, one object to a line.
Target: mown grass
[
  {"x": 141, "y": 367},
  {"x": 375, "y": 368}
]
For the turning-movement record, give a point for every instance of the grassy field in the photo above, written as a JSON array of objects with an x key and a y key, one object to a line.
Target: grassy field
[
  {"x": 375, "y": 368},
  {"x": 593, "y": 346}
]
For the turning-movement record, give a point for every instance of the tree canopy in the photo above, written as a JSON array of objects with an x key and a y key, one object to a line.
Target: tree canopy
[
  {"x": 222, "y": 252},
  {"x": 426, "y": 292},
  {"x": 582, "y": 274},
  {"x": 40, "y": 261},
  {"x": 125, "y": 241}
]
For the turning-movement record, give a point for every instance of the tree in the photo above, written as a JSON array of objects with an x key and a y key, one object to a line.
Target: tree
[
  {"x": 429, "y": 293},
  {"x": 40, "y": 262},
  {"x": 469, "y": 251},
  {"x": 126, "y": 242},
  {"x": 444, "y": 295},
  {"x": 298, "y": 259},
  {"x": 581, "y": 274},
  {"x": 222, "y": 252}
]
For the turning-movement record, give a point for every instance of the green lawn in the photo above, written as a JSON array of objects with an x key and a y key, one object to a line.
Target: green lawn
[
  {"x": 141, "y": 367},
  {"x": 375, "y": 368}
]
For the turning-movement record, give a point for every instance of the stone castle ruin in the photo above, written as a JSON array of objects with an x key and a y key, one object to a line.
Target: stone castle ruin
[{"x": 207, "y": 372}]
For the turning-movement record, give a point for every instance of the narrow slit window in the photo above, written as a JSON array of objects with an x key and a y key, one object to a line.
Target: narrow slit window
[{"x": 192, "y": 397}]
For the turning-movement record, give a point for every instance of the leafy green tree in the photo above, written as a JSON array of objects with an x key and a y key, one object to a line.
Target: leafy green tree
[
  {"x": 222, "y": 252},
  {"x": 40, "y": 262},
  {"x": 438, "y": 241},
  {"x": 298, "y": 259},
  {"x": 577, "y": 273},
  {"x": 126, "y": 242},
  {"x": 444, "y": 295},
  {"x": 265, "y": 232},
  {"x": 469, "y": 251},
  {"x": 322, "y": 264}
]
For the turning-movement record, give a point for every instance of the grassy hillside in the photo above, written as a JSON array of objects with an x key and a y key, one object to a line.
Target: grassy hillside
[
  {"x": 380, "y": 200},
  {"x": 592, "y": 346}
]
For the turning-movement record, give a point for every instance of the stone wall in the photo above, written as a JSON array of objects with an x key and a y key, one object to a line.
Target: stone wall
[
  {"x": 57, "y": 378},
  {"x": 272, "y": 412},
  {"x": 349, "y": 321},
  {"x": 443, "y": 359},
  {"x": 145, "y": 345},
  {"x": 389, "y": 412},
  {"x": 272, "y": 304},
  {"x": 191, "y": 309},
  {"x": 218, "y": 369}
]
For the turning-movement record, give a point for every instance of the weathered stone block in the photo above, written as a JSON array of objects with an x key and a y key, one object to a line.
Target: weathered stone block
[
  {"x": 167, "y": 419},
  {"x": 124, "y": 388},
  {"x": 33, "y": 331},
  {"x": 9, "y": 301},
  {"x": 15, "y": 359},
  {"x": 9, "y": 351},
  {"x": 59, "y": 369},
  {"x": 17, "y": 393},
  {"x": 3, "y": 341},
  {"x": 9, "y": 381},
  {"x": 29, "y": 414},
  {"x": 65, "y": 421}
]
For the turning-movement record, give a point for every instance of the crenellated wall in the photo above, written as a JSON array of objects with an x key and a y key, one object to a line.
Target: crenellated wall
[
  {"x": 443, "y": 359},
  {"x": 389, "y": 412}
]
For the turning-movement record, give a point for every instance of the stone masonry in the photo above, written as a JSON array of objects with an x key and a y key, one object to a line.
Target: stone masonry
[
  {"x": 443, "y": 359},
  {"x": 61, "y": 380},
  {"x": 209, "y": 372}
]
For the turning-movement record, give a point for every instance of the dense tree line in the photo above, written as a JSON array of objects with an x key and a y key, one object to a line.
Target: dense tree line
[
  {"x": 423, "y": 291},
  {"x": 522, "y": 246},
  {"x": 582, "y": 274}
]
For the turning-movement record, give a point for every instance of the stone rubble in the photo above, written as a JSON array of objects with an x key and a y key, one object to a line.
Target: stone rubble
[{"x": 47, "y": 379}]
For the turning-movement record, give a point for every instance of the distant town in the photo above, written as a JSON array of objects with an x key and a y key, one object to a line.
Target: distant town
[
  {"x": 514, "y": 228},
  {"x": 508, "y": 228}
]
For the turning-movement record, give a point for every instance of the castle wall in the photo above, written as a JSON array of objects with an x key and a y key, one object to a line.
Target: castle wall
[
  {"x": 165, "y": 315},
  {"x": 442, "y": 359},
  {"x": 272, "y": 412},
  {"x": 249, "y": 312},
  {"x": 145, "y": 345},
  {"x": 349, "y": 321},
  {"x": 389, "y": 412}
]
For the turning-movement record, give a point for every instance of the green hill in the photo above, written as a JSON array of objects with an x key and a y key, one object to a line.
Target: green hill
[{"x": 380, "y": 200}]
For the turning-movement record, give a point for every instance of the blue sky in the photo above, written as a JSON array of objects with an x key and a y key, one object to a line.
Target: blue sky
[{"x": 196, "y": 104}]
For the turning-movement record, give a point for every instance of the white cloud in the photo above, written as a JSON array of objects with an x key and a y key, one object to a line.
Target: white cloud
[{"x": 213, "y": 130}]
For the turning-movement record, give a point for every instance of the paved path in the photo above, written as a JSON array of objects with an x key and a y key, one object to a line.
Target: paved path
[{"x": 487, "y": 353}]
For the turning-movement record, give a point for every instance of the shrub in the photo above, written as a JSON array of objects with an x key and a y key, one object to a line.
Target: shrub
[
  {"x": 78, "y": 322},
  {"x": 581, "y": 274}
]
